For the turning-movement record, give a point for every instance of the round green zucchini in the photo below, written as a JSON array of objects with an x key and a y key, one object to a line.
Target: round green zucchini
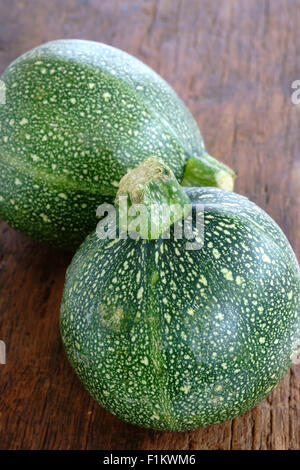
[
  {"x": 173, "y": 339},
  {"x": 78, "y": 116}
]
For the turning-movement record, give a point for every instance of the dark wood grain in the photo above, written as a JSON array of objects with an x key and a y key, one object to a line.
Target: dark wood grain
[{"x": 233, "y": 64}]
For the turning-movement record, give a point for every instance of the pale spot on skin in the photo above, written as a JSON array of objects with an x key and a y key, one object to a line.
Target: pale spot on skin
[
  {"x": 145, "y": 361},
  {"x": 227, "y": 274},
  {"x": 154, "y": 277},
  {"x": 191, "y": 311},
  {"x": 220, "y": 316},
  {"x": 203, "y": 280},
  {"x": 113, "y": 242},
  {"x": 45, "y": 218},
  {"x": 216, "y": 253},
  {"x": 168, "y": 317},
  {"x": 266, "y": 258},
  {"x": 140, "y": 293},
  {"x": 177, "y": 252},
  {"x": 24, "y": 121},
  {"x": 106, "y": 96}
]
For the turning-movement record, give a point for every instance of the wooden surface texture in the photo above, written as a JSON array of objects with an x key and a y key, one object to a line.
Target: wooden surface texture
[{"x": 233, "y": 63}]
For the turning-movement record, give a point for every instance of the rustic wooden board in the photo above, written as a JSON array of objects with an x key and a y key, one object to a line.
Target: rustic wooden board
[{"x": 233, "y": 64}]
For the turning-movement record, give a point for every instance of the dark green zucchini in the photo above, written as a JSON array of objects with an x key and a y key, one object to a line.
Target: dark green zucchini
[
  {"x": 173, "y": 339},
  {"x": 78, "y": 116}
]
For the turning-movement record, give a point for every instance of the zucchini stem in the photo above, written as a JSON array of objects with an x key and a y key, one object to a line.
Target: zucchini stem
[
  {"x": 152, "y": 192},
  {"x": 207, "y": 171}
]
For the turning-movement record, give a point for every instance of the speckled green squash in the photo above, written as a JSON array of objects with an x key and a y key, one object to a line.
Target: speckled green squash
[
  {"x": 173, "y": 339},
  {"x": 78, "y": 115}
]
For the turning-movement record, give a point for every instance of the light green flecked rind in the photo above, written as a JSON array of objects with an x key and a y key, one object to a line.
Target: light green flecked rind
[
  {"x": 78, "y": 116},
  {"x": 173, "y": 339}
]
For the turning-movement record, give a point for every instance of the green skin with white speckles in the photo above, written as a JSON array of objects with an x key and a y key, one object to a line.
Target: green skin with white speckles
[
  {"x": 173, "y": 339},
  {"x": 78, "y": 115}
]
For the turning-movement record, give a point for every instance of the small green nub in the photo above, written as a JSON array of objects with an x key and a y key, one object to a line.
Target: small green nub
[
  {"x": 207, "y": 171},
  {"x": 152, "y": 191}
]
